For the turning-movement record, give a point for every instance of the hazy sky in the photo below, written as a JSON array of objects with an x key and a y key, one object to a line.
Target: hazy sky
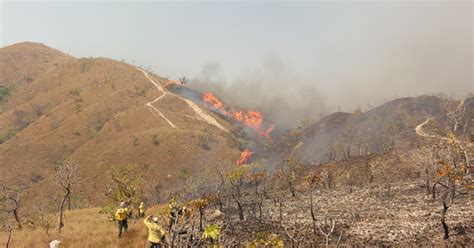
[{"x": 349, "y": 52}]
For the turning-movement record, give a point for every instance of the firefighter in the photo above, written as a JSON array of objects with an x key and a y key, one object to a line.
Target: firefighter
[
  {"x": 121, "y": 216},
  {"x": 141, "y": 210},
  {"x": 156, "y": 234},
  {"x": 176, "y": 212}
]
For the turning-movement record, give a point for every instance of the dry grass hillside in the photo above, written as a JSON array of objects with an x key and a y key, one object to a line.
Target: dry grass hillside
[
  {"x": 83, "y": 228},
  {"x": 94, "y": 111}
]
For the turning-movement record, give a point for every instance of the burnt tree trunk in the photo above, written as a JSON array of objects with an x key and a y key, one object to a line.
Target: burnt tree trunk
[
  {"x": 201, "y": 214},
  {"x": 280, "y": 209},
  {"x": 443, "y": 221},
  {"x": 433, "y": 190},
  {"x": 219, "y": 201},
  {"x": 241, "y": 210},
  {"x": 313, "y": 217},
  {"x": 292, "y": 189},
  {"x": 61, "y": 210},
  {"x": 239, "y": 206},
  {"x": 427, "y": 184},
  {"x": 17, "y": 217}
]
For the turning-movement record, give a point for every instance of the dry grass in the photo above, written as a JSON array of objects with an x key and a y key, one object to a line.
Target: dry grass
[{"x": 83, "y": 228}]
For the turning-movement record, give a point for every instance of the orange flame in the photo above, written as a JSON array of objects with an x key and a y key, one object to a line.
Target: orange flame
[
  {"x": 244, "y": 157},
  {"x": 266, "y": 133},
  {"x": 251, "y": 118},
  {"x": 214, "y": 101}
]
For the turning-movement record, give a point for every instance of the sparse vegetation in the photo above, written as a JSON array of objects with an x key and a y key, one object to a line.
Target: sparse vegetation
[
  {"x": 9, "y": 132},
  {"x": 4, "y": 93},
  {"x": 155, "y": 140},
  {"x": 135, "y": 141},
  {"x": 76, "y": 96}
]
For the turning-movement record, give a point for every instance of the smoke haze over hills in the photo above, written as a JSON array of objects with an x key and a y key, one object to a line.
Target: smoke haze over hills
[
  {"x": 293, "y": 61},
  {"x": 375, "y": 52}
]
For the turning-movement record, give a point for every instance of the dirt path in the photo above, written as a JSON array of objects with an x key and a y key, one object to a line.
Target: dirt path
[
  {"x": 419, "y": 129},
  {"x": 150, "y": 104},
  {"x": 202, "y": 115}
]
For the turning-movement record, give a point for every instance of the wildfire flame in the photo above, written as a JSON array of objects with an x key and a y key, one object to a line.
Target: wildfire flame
[
  {"x": 244, "y": 157},
  {"x": 249, "y": 118},
  {"x": 214, "y": 101},
  {"x": 253, "y": 119}
]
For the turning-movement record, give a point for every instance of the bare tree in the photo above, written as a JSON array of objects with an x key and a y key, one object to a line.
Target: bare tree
[
  {"x": 329, "y": 228},
  {"x": 65, "y": 177},
  {"x": 8, "y": 228},
  {"x": 451, "y": 163},
  {"x": 45, "y": 220},
  {"x": 10, "y": 202},
  {"x": 294, "y": 171},
  {"x": 236, "y": 178},
  {"x": 183, "y": 80},
  {"x": 350, "y": 138},
  {"x": 312, "y": 181},
  {"x": 295, "y": 232}
]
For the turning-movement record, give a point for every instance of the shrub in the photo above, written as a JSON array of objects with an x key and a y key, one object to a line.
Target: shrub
[
  {"x": 266, "y": 239},
  {"x": 211, "y": 232},
  {"x": 4, "y": 93},
  {"x": 10, "y": 132},
  {"x": 155, "y": 140}
]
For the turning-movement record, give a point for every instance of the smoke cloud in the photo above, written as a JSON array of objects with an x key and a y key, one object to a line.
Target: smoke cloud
[
  {"x": 271, "y": 88},
  {"x": 368, "y": 57}
]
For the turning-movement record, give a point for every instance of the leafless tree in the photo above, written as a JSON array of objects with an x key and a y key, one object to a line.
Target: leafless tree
[
  {"x": 329, "y": 228},
  {"x": 65, "y": 177},
  {"x": 43, "y": 217},
  {"x": 183, "y": 80},
  {"x": 10, "y": 202},
  {"x": 295, "y": 232},
  {"x": 349, "y": 137},
  {"x": 237, "y": 181},
  {"x": 294, "y": 171},
  {"x": 8, "y": 229},
  {"x": 451, "y": 163}
]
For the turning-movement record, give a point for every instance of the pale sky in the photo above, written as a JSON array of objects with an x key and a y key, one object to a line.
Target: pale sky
[{"x": 351, "y": 52}]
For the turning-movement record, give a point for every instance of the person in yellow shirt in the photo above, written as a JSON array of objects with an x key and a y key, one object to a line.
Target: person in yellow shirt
[
  {"x": 141, "y": 210},
  {"x": 121, "y": 216},
  {"x": 156, "y": 234}
]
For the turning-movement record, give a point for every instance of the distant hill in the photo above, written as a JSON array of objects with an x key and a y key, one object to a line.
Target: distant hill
[
  {"x": 391, "y": 125},
  {"x": 95, "y": 110}
]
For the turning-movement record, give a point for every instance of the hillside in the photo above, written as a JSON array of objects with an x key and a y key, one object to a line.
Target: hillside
[
  {"x": 365, "y": 216},
  {"x": 381, "y": 176},
  {"x": 391, "y": 125},
  {"x": 95, "y": 111}
]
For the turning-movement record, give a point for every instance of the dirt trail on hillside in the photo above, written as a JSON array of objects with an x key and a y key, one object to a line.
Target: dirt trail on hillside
[
  {"x": 205, "y": 117},
  {"x": 419, "y": 128},
  {"x": 150, "y": 104},
  {"x": 202, "y": 115}
]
